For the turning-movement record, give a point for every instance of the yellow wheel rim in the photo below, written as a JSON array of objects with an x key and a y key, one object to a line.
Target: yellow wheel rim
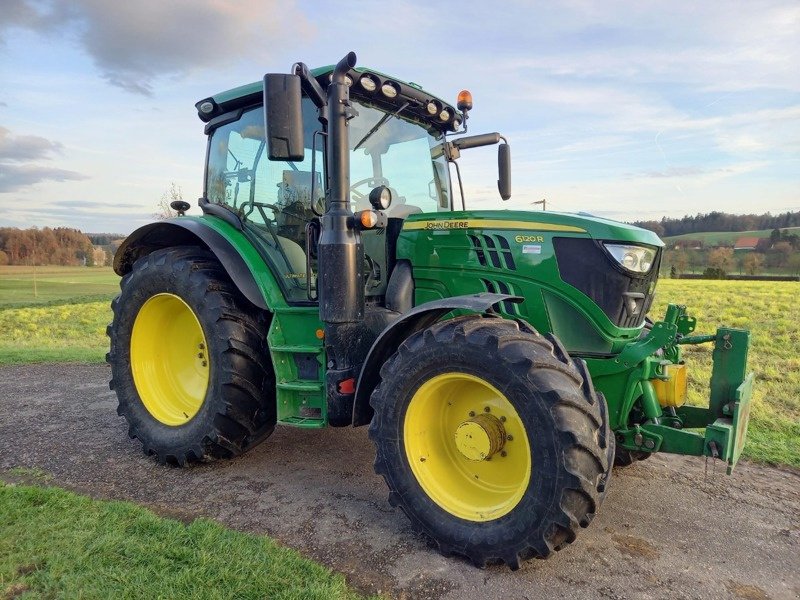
[
  {"x": 467, "y": 446},
  {"x": 169, "y": 359}
]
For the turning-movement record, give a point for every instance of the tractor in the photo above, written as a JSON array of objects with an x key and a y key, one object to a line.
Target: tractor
[{"x": 503, "y": 360}]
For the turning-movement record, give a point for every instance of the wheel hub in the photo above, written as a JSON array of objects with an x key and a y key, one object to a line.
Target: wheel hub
[{"x": 480, "y": 437}]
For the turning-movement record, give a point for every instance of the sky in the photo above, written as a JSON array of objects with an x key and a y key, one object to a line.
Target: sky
[{"x": 628, "y": 110}]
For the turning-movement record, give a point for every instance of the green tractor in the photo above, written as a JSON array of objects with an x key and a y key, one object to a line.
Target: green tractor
[{"x": 503, "y": 360}]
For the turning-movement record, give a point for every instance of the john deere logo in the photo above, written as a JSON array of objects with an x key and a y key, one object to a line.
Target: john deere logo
[{"x": 447, "y": 225}]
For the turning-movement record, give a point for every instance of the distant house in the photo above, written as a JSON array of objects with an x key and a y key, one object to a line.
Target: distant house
[{"x": 746, "y": 243}]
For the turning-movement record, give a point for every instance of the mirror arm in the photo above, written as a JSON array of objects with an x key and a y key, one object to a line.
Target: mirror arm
[{"x": 310, "y": 85}]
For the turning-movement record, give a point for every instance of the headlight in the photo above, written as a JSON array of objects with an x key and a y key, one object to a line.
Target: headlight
[{"x": 634, "y": 258}]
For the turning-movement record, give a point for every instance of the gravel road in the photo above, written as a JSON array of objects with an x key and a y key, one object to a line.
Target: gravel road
[{"x": 664, "y": 531}]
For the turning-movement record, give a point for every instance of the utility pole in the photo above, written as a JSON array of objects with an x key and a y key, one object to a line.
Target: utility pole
[
  {"x": 35, "y": 289},
  {"x": 543, "y": 202}
]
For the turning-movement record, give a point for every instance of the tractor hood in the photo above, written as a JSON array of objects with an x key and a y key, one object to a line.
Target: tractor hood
[
  {"x": 589, "y": 279},
  {"x": 540, "y": 221}
]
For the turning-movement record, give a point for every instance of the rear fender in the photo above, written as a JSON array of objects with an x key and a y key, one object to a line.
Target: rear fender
[
  {"x": 234, "y": 251},
  {"x": 415, "y": 320}
]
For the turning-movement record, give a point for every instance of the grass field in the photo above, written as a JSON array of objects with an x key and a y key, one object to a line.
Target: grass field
[
  {"x": 64, "y": 322},
  {"x": 711, "y": 238},
  {"x": 56, "y": 544},
  {"x": 73, "y": 329},
  {"x": 769, "y": 311},
  {"x": 55, "y": 285}
]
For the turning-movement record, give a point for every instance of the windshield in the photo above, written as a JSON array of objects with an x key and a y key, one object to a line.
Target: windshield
[
  {"x": 386, "y": 150},
  {"x": 276, "y": 199}
]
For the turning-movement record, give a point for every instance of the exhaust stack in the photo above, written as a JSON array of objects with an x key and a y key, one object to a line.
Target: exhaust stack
[{"x": 341, "y": 254}]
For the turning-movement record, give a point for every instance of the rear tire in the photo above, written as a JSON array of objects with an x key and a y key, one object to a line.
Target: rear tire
[
  {"x": 204, "y": 388},
  {"x": 518, "y": 374}
]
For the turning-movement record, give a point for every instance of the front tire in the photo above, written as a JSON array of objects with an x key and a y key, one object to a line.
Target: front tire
[
  {"x": 189, "y": 359},
  {"x": 491, "y": 439}
]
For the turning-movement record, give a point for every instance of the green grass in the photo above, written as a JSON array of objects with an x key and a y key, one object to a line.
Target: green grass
[
  {"x": 56, "y": 544},
  {"x": 55, "y": 285},
  {"x": 711, "y": 238},
  {"x": 769, "y": 311},
  {"x": 57, "y": 333},
  {"x": 65, "y": 322}
]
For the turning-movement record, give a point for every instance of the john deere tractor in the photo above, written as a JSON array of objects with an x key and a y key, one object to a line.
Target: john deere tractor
[{"x": 502, "y": 359}]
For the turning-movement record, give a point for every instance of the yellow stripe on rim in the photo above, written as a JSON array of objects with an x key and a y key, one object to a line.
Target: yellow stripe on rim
[
  {"x": 169, "y": 359},
  {"x": 445, "y": 224},
  {"x": 467, "y": 446}
]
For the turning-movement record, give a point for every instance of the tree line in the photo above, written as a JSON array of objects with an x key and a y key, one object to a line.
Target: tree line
[
  {"x": 720, "y": 221},
  {"x": 49, "y": 246}
]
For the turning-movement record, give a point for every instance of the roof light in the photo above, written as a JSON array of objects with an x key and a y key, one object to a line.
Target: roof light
[
  {"x": 389, "y": 89},
  {"x": 464, "y": 101},
  {"x": 206, "y": 107},
  {"x": 368, "y": 83},
  {"x": 444, "y": 115},
  {"x": 347, "y": 79},
  {"x": 432, "y": 107}
]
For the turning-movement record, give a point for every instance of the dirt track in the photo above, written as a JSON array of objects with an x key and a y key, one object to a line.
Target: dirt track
[{"x": 663, "y": 531}]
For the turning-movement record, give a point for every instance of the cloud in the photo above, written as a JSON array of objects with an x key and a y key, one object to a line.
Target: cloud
[
  {"x": 17, "y": 170},
  {"x": 15, "y": 177},
  {"x": 80, "y": 204},
  {"x": 22, "y": 148},
  {"x": 134, "y": 43},
  {"x": 674, "y": 172}
]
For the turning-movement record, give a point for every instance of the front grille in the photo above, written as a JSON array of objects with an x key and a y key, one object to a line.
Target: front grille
[{"x": 624, "y": 297}]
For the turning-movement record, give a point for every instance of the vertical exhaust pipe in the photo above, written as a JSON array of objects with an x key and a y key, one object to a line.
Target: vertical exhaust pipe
[{"x": 341, "y": 254}]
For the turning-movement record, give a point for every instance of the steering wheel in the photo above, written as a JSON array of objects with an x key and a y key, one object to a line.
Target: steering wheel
[{"x": 372, "y": 182}]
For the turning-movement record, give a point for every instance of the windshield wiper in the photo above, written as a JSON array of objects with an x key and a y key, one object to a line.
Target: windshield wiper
[{"x": 380, "y": 124}]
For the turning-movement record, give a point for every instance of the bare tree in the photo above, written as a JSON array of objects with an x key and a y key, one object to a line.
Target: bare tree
[{"x": 163, "y": 210}]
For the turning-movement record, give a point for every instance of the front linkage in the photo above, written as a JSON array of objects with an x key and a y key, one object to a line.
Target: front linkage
[{"x": 648, "y": 379}]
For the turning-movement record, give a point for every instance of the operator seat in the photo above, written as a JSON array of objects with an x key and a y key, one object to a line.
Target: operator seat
[{"x": 294, "y": 253}]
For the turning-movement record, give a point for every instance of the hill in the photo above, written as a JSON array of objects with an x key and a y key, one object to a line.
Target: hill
[{"x": 712, "y": 238}]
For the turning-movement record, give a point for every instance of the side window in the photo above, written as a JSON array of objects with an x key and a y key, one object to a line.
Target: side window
[{"x": 273, "y": 198}]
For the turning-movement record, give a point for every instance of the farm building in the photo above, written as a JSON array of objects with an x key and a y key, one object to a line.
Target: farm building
[{"x": 746, "y": 243}]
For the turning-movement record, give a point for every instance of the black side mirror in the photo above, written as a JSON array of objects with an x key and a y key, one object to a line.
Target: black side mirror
[
  {"x": 283, "y": 115},
  {"x": 504, "y": 171}
]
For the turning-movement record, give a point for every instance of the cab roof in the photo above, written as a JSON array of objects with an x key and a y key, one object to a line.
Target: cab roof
[{"x": 421, "y": 104}]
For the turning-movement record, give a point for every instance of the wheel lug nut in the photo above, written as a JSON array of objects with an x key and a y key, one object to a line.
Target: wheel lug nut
[
  {"x": 199, "y": 355},
  {"x": 487, "y": 409},
  {"x": 510, "y": 438},
  {"x": 472, "y": 413},
  {"x": 503, "y": 453},
  {"x": 205, "y": 363},
  {"x": 502, "y": 419}
]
